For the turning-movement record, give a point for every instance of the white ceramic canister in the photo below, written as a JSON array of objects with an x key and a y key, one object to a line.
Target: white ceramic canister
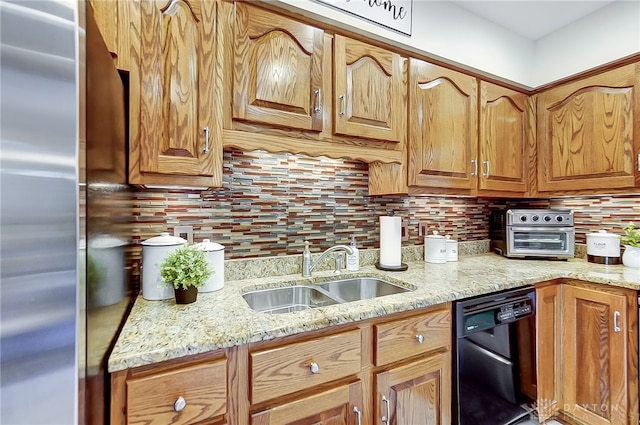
[
  {"x": 215, "y": 256},
  {"x": 452, "y": 248},
  {"x": 154, "y": 251},
  {"x": 106, "y": 277},
  {"x": 435, "y": 248},
  {"x": 603, "y": 248}
]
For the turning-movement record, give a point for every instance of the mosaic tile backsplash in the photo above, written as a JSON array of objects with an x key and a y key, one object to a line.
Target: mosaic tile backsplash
[{"x": 270, "y": 203}]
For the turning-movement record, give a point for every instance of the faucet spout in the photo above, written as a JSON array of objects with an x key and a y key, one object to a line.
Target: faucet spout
[{"x": 308, "y": 265}]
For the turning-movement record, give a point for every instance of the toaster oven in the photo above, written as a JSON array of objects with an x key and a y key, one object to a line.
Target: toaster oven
[{"x": 532, "y": 233}]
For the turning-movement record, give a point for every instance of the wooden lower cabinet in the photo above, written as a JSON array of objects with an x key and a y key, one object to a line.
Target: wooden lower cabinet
[
  {"x": 587, "y": 353},
  {"x": 415, "y": 393},
  {"x": 338, "y": 406},
  {"x": 334, "y": 376}
]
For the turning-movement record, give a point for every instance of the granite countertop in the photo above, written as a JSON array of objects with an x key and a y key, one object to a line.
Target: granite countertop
[{"x": 161, "y": 330}]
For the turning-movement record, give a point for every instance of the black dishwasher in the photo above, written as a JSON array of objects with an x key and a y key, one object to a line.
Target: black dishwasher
[{"x": 494, "y": 362}]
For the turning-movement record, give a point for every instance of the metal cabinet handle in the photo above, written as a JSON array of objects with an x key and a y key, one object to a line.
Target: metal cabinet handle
[
  {"x": 206, "y": 139},
  {"x": 616, "y": 316},
  {"x": 486, "y": 166},
  {"x": 314, "y": 367},
  {"x": 420, "y": 339},
  {"x": 358, "y": 413},
  {"x": 341, "y": 113},
  {"x": 385, "y": 419},
  {"x": 180, "y": 404},
  {"x": 475, "y": 167},
  {"x": 639, "y": 162},
  {"x": 318, "y": 107}
]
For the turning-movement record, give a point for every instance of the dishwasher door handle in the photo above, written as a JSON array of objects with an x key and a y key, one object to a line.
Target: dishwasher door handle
[{"x": 616, "y": 316}]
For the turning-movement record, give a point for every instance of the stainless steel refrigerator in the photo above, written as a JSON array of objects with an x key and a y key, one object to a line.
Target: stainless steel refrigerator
[{"x": 64, "y": 283}]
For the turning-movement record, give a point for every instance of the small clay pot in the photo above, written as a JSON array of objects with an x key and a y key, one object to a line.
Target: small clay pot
[{"x": 186, "y": 296}]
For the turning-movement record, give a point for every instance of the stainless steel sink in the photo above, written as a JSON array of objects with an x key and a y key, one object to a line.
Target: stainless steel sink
[
  {"x": 361, "y": 288},
  {"x": 303, "y": 297},
  {"x": 288, "y": 299}
]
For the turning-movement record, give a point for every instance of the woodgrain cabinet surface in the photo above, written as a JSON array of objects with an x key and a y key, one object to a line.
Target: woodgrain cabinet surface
[
  {"x": 368, "y": 91},
  {"x": 504, "y": 140},
  {"x": 587, "y": 353},
  {"x": 114, "y": 21},
  {"x": 589, "y": 133},
  {"x": 174, "y": 137},
  {"x": 277, "y": 68},
  {"x": 338, "y": 406},
  {"x": 443, "y": 126},
  {"x": 415, "y": 393}
]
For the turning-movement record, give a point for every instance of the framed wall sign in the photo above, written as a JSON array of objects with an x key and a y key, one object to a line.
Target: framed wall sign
[{"x": 392, "y": 14}]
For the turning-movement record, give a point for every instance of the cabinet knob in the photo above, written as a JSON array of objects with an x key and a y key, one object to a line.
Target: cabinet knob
[
  {"x": 314, "y": 367},
  {"x": 180, "y": 404},
  {"x": 420, "y": 339}
]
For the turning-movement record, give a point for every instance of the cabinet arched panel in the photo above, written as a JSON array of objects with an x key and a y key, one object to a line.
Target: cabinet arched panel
[
  {"x": 588, "y": 132},
  {"x": 362, "y": 106},
  {"x": 277, "y": 70},
  {"x": 504, "y": 126},
  {"x": 443, "y": 126}
]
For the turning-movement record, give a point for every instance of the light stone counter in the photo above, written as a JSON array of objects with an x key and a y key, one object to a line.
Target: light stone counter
[{"x": 162, "y": 330}]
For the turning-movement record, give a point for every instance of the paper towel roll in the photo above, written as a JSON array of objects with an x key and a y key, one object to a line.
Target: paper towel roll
[{"x": 390, "y": 241}]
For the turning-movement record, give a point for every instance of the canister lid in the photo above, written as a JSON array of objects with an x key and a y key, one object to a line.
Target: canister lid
[
  {"x": 106, "y": 241},
  {"x": 435, "y": 235},
  {"x": 604, "y": 234},
  {"x": 164, "y": 240},
  {"x": 207, "y": 245}
]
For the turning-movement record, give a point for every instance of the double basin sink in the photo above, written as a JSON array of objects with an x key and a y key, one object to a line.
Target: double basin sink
[{"x": 303, "y": 297}]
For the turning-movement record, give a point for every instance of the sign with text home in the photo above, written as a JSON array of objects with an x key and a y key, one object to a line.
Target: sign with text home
[{"x": 393, "y": 14}]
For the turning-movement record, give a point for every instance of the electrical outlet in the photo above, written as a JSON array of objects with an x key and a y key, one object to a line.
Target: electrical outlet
[
  {"x": 423, "y": 228},
  {"x": 405, "y": 232}
]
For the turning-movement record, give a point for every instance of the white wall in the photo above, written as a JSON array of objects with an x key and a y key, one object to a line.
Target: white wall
[
  {"x": 610, "y": 33},
  {"x": 445, "y": 31}
]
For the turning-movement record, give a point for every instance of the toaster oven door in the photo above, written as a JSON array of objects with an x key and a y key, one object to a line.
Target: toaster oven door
[{"x": 540, "y": 241}]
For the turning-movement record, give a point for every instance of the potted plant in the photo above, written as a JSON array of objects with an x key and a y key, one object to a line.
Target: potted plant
[
  {"x": 631, "y": 241},
  {"x": 186, "y": 269}
]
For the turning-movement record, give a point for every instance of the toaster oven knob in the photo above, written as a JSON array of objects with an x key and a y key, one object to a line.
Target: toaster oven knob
[
  {"x": 523, "y": 218},
  {"x": 559, "y": 219},
  {"x": 535, "y": 218},
  {"x": 547, "y": 218}
]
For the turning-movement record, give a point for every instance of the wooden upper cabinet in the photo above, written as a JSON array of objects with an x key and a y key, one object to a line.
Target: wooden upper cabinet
[
  {"x": 277, "y": 70},
  {"x": 442, "y": 127},
  {"x": 589, "y": 132},
  {"x": 368, "y": 91},
  {"x": 504, "y": 139},
  {"x": 113, "y": 19},
  {"x": 174, "y": 137}
]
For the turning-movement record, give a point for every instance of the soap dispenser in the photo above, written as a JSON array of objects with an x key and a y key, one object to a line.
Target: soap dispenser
[{"x": 353, "y": 260}]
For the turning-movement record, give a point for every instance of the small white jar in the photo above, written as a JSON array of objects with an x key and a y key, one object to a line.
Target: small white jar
[
  {"x": 452, "y": 249},
  {"x": 435, "y": 248},
  {"x": 215, "y": 257},
  {"x": 631, "y": 257},
  {"x": 603, "y": 248},
  {"x": 154, "y": 251}
]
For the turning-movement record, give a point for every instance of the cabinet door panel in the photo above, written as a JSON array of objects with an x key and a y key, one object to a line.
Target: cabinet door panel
[
  {"x": 368, "y": 92},
  {"x": 443, "y": 127},
  {"x": 594, "y": 356},
  {"x": 334, "y": 407},
  {"x": 278, "y": 70},
  {"x": 172, "y": 95},
  {"x": 588, "y": 132},
  {"x": 548, "y": 337},
  {"x": 416, "y": 393},
  {"x": 503, "y": 139}
]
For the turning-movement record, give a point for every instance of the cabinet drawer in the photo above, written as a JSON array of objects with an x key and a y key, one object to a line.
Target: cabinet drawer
[
  {"x": 150, "y": 399},
  {"x": 284, "y": 370},
  {"x": 402, "y": 338}
]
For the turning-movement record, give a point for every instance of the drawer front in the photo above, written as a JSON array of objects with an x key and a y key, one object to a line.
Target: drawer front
[
  {"x": 294, "y": 367},
  {"x": 151, "y": 399},
  {"x": 409, "y": 337}
]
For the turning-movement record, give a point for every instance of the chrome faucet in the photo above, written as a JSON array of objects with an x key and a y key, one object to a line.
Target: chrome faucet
[{"x": 308, "y": 265}]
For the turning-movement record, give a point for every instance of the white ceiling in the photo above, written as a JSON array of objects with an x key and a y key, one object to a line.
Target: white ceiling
[{"x": 532, "y": 19}]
